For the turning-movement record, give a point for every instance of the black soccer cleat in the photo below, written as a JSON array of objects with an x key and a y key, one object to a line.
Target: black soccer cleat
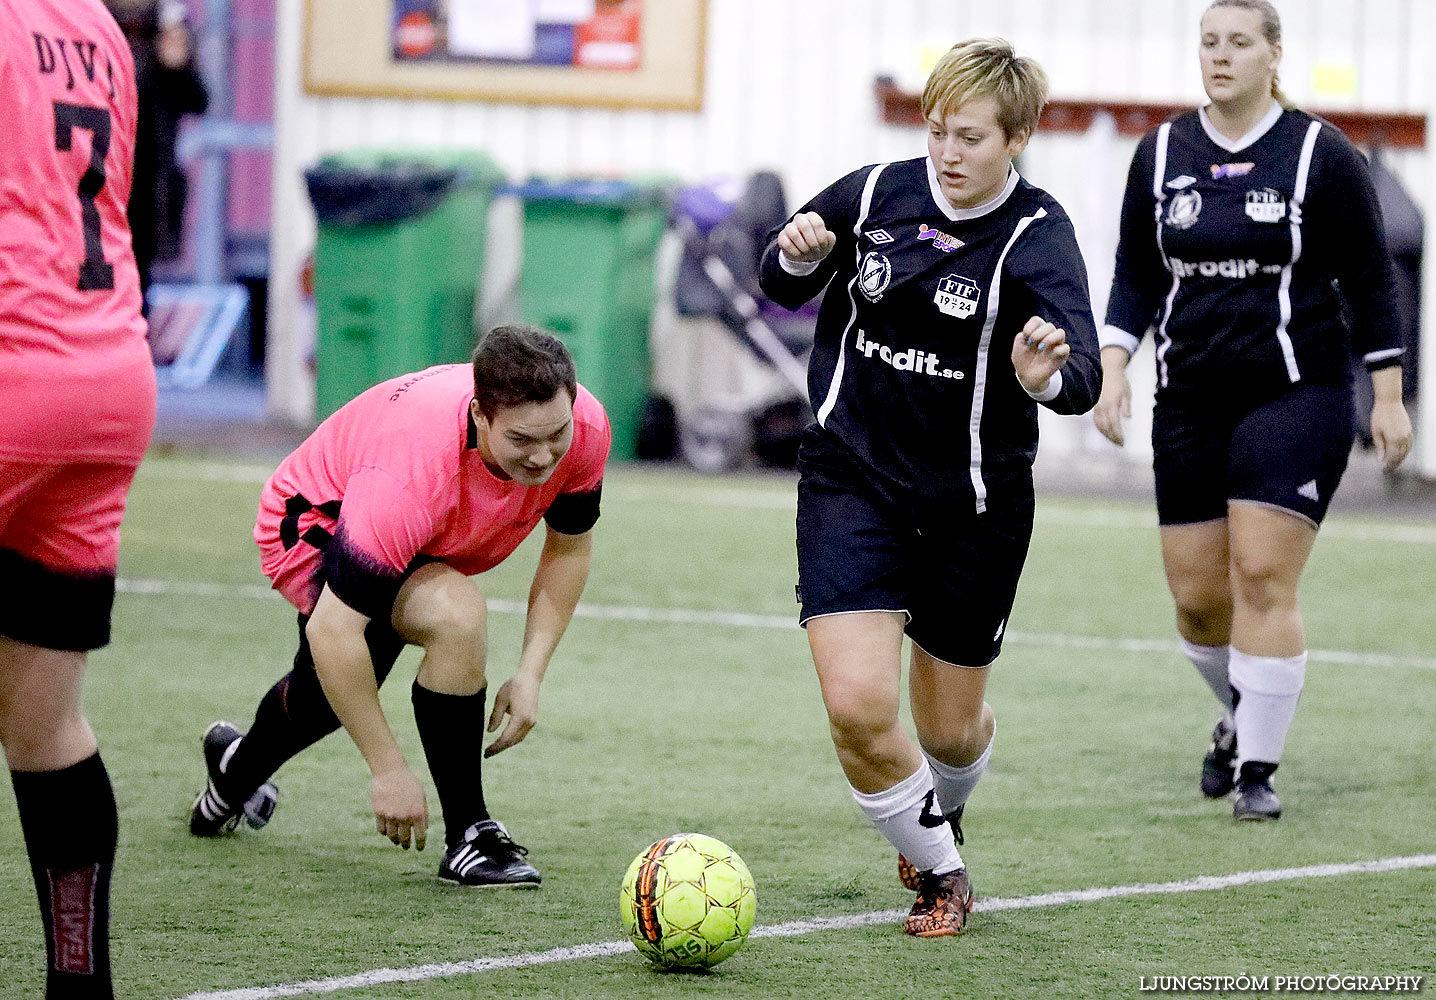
[
  {"x": 212, "y": 814},
  {"x": 909, "y": 876},
  {"x": 1219, "y": 765},
  {"x": 488, "y": 858},
  {"x": 1255, "y": 799}
]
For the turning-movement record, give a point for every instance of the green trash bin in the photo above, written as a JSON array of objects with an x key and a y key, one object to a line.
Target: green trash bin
[
  {"x": 397, "y": 263},
  {"x": 587, "y": 277}
]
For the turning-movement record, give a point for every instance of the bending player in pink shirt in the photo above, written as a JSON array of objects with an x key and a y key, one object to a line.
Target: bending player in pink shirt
[
  {"x": 371, "y": 529},
  {"x": 77, "y": 405}
]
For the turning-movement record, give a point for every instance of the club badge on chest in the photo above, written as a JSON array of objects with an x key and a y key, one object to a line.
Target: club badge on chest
[
  {"x": 957, "y": 296},
  {"x": 1266, "y": 205}
]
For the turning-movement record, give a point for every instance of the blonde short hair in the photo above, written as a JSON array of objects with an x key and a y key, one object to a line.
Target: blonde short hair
[{"x": 988, "y": 67}]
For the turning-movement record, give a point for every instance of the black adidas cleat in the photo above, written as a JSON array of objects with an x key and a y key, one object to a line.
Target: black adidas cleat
[
  {"x": 213, "y": 815},
  {"x": 1255, "y": 798},
  {"x": 909, "y": 876},
  {"x": 487, "y": 858},
  {"x": 1219, "y": 765}
]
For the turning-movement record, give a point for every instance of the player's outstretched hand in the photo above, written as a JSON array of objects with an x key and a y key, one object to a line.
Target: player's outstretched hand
[
  {"x": 401, "y": 810},
  {"x": 518, "y": 699},
  {"x": 1391, "y": 433},
  {"x": 1113, "y": 406},
  {"x": 1038, "y": 352},
  {"x": 806, "y": 238}
]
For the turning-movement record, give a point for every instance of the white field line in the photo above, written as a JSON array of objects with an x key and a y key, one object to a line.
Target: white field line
[
  {"x": 781, "y": 623},
  {"x": 765, "y": 498},
  {"x": 1203, "y": 883},
  {"x": 209, "y": 472}
]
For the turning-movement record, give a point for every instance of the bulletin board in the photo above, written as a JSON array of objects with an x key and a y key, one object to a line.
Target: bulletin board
[{"x": 620, "y": 53}]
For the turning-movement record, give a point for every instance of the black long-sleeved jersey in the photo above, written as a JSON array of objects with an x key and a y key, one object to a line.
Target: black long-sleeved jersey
[
  {"x": 1240, "y": 255},
  {"x": 911, "y": 365}
]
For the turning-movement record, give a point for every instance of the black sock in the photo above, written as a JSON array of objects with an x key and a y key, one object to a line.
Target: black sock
[
  {"x": 451, "y": 727},
  {"x": 295, "y": 714},
  {"x": 292, "y": 716},
  {"x": 71, "y": 826}
]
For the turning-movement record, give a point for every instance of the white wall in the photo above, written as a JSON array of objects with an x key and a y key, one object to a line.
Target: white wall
[{"x": 789, "y": 87}]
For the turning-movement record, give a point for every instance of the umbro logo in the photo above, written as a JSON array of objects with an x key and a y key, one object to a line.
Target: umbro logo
[
  {"x": 1309, "y": 491},
  {"x": 878, "y": 236},
  {"x": 1177, "y": 183},
  {"x": 1001, "y": 626}
]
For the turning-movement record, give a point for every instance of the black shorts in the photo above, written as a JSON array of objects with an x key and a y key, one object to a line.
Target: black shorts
[
  {"x": 1288, "y": 453},
  {"x": 869, "y": 545}
]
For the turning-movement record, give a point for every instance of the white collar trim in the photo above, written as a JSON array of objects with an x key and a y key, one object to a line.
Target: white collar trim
[
  {"x": 1260, "y": 129},
  {"x": 962, "y": 214}
]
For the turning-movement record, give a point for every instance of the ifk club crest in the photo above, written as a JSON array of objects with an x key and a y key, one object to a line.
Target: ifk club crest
[
  {"x": 1184, "y": 208},
  {"x": 874, "y": 274}
]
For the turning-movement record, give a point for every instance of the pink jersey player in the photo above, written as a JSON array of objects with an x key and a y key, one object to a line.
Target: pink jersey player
[
  {"x": 76, "y": 380},
  {"x": 372, "y": 529},
  {"x": 395, "y": 476},
  {"x": 77, "y": 405}
]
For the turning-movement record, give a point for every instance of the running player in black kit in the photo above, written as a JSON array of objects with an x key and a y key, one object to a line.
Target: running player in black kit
[
  {"x": 1246, "y": 227},
  {"x": 956, "y": 299}
]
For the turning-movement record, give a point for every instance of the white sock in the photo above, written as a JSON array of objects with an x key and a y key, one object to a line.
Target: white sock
[
  {"x": 905, "y": 815},
  {"x": 1211, "y": 663},
  {"x": 955, "y": 784},
  {"x": 1269, "y": 687}
]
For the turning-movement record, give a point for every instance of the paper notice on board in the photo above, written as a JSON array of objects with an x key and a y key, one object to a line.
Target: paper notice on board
[
  {"x": 564, "y": 11},
  {"x": 493, "y": 29}
]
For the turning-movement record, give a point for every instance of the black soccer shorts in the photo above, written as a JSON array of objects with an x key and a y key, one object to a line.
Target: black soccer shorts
[
  {"x": 868, "y": 545},
  {"x": 1289, "y": 453}
]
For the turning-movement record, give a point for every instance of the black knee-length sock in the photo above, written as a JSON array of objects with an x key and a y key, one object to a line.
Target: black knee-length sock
[
  {"x": 295, "y": 714},
  {"x": 292, "y": 716},
  {"x": 451, "y": 727},
  {"x": 71, "y": 826}
]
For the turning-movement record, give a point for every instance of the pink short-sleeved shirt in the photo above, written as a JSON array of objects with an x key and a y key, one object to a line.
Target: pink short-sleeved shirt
[
  {"x": 394, "y": 477},
  {"x": 76, "y": 380}
]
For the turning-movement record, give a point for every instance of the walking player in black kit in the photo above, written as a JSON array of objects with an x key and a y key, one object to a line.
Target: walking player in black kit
[
  {"x": 1238, "y": 219},
  {"x": 956, "y": 298}
]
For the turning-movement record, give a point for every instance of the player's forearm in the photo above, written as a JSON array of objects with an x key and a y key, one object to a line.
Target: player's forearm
[
  {"x": 346, "y": 672},
  {"x": 1114, "y": 361},
  {"x": 557, "y": 586},
  {"x": 1386, "y": 384}
]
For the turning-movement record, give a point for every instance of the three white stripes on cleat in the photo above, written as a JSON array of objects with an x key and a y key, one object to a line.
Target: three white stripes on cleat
[{"x": 467, "y": 860}]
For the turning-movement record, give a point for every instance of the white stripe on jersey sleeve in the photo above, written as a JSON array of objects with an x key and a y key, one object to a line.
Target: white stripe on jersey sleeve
[
  {"x": 831, "y": 400},
  {"x": 979, "y": 385},
  {"x": 1159, "y": 177},
  {"x": 1283, "y": 291}
]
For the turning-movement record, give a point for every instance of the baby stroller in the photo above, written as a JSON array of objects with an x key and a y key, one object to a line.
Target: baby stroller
[{"x": 723, "y": 233}]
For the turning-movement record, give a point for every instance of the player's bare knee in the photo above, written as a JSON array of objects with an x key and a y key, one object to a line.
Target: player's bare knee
[
  {"x": 442, "y": 608},
  {"x": 856, "y": 718},
  {"x": 960, "y": 742},
  {"x": 1206, "y": 619},
  {"x": 1203, "y": 602},
  {"x": 453, "y": 670},
  {"x": 36, "y": 736},
  {"x": 1259, "y": 584}
]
